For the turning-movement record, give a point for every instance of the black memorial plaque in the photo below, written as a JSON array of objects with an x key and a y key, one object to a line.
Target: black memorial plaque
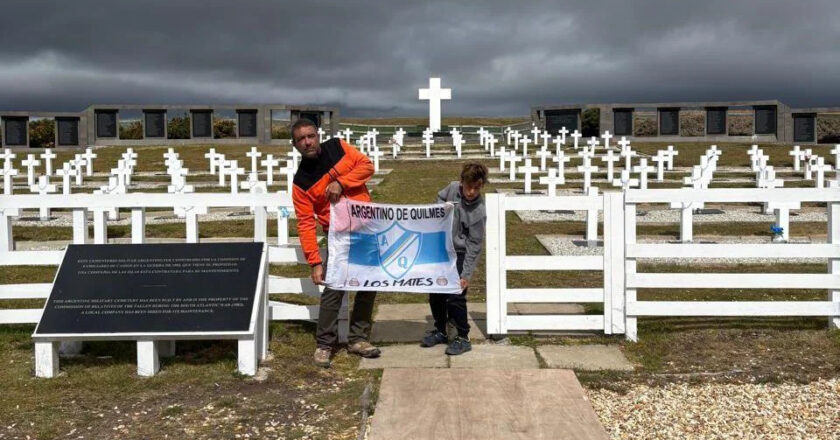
[
  {"x": 557, "y": 119},
  {"x": 765, "y": 120},
  {"x": 247, "y": 123},
  {"x": 155, "y": 121},
  {"x": 803, "y": 128},
  {"x": 153, "y": 288},
  {"x": 202, "y": 123},
  {"x": 15, "y": 132},
  {"x": 623, "y": 122},
  {"x": 68, "y": 131},
  {"x": 716, "y": 121},
  {"x": 669, "y": 122},
  {"x": 106, "y": 124}
]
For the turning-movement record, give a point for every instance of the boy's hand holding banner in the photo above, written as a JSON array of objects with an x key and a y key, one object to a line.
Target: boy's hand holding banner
[{"x": 396, "y": 248}]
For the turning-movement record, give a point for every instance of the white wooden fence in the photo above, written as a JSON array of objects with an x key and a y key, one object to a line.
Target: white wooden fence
[
  {"x": 189, "y": 205},
  {"x": 621, "y": 252}
]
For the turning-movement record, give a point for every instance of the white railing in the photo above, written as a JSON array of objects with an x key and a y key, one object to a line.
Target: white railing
[
  {"x": 499, "y": 294},
  {"x": 190, "y": 206},
  {"x": 777, "y": 251}
]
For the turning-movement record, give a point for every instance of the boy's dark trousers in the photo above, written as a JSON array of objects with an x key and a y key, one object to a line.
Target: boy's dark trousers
[{"x": 446, "y": 307}]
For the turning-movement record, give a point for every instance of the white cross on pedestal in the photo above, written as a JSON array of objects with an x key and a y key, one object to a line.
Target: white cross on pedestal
[
  {"x": 347, "y": 133},
  {"x": 269, "y": 163},
  {"x": 509, "y": 133},
  {"x": 121, "y": 172},
  {"x": 171, "y": 157},
  {"x": 372, "y": 135},
  {"x": 481, "y": 133},
  {"x": 753, "y": 150},
  {"x": 586, "y": 155},
  {"x": 295, "y": 156},
  {"x": 321, "y": 134},
  {"x": 609, "y": 158},
  {"x": 545, "y": 137},
  {"x": 211, "y": 156},
  {"x": 558, "y": 145},
  {"x": 625, "y": 182},
  {"x": 592, "y": 143},
  {"x": 643, "y": 170},
  {"x": 48, "y": 156},
  {"x": 670, "y": 152},
  {"x": 43, "y": 187},
  {"x": 30, "y": 163},
  {"x": 78, "y": 163},
  {"x": 8, "y": 174},
  {"x": 399, "y": 136},
  {"x": 607, "y": 136},
  {"x": 544, "y": 155},
  {"x": 561, "y": 160},
  {"x": 551, "y": 181},
  {"x": 627, "y": 153},
  {"x": 254, "y": 154},
  {"x": 563, "y": 132},
  {"x": 576, "y": 136},
  {"x": 536, "y": 133},
  {"x": 434, "y": 94},
  {"x": 491, "y": 144},
  {"x": 178, "y": 184},
  {"x": 528, "y": 169},
  {"x": 516, "y": 137},
  {"x": 502, "y": 158},
  {"x": 88, "y": 156},
  {"x": 623, "y": 143},
  {"x": 660, "y": 160},
  {"x": 524, "y": 142},
  {"x": 836, "y": 153},
  {"x": 66, "y": 172},
  {"x": 810, "y": 161},
  {"x": 289, "y": 172},
  {"x": 821, "y": 167},
  {"x": 232, "y": 169},
  {"x": 428, "y": 140},
  {"x": 767, "y": 179},
  {"x": 177, "y": 175},
  {"x": 376, "y": 154},
  {"x": 7, "y": 157},
  {"x": 513, "y": 159},
  {"x": 587, "y": 170},
  {"x": 798, "y": 155}
]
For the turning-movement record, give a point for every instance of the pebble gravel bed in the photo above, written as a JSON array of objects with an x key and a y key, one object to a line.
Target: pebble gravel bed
[{"x": 721, "y": 411}]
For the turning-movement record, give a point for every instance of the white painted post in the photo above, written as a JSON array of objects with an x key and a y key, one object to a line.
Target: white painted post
[
  {"x": 630, "y": 324},
  {"x": 46, "y": 359},
  {"x": 246, "y": 359},
  {"x": 80, "y": 230},
  {"x": 592, "y": 219},
  {"x": 260, "y": 224},
  {"x": 495, "y": 274},
  {"x": 834, "y": 263},
  {"x": 148, "y": 362},
  {"x": 100, "y": 228},
  {"x": 7, "y": 241},
  {"x": 138, "y": 225},
  {"x": 686, "y": 223},
  {"x": 614, "y": 297}
]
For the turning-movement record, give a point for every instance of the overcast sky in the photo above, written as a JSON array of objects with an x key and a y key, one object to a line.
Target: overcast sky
[{"x": 370, "y": 57}]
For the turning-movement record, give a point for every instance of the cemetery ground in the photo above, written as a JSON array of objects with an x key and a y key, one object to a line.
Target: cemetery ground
[{"x": 791, "y": 362}]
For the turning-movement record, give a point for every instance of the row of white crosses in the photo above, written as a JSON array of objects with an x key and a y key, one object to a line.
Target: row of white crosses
[{"x": 813, "y": 163}]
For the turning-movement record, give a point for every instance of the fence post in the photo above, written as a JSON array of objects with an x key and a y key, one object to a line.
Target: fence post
[
  {"x": 138, "y": 225},
  {"x": 834, "y": 263},
  {"x": 7, "y": 241},
  {"x": 100, "y": 227},
  {"x": 80, "y": 229},
  {"x": 493, "y": 266},
  {"x": 260, "y": 224},
  {"x": 613, "y": 208},
  {"x": 629, "y": 269}
]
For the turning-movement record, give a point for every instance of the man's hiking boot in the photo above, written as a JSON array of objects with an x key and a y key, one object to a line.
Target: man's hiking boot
[
  {"x": 364, "y": 349},
  {"x": 322, "y": 357},
  {"x": 432, "y": 338},
  {"x": 459, "y": 345}
]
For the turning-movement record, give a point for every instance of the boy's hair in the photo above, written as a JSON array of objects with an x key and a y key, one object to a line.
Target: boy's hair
[{"x": 474, "y": 172}]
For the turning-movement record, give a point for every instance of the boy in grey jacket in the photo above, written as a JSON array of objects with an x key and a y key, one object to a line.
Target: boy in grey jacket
[{"x": 467, "y": 238}]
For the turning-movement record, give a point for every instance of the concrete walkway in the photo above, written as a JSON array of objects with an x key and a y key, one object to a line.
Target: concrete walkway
[{"x": 458, "y": 404}]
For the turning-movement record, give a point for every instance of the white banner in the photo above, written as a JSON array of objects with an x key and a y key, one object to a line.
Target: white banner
[{"x": 394, "y": 248}]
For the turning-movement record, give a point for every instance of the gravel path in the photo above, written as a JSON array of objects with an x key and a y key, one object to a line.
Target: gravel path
[{"x": 722, "y": 411}]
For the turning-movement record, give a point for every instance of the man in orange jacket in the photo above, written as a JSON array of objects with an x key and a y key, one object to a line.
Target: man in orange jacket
[{"x": 327, "y": 172}]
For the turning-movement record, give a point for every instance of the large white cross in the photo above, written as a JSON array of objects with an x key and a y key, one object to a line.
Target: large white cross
[
  {"x": 434, "y": 94},
  {"x": 30, "y": 163},
  {"x": 48, "y": 156}
]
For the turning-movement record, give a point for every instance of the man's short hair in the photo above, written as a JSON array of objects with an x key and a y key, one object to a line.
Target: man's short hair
[
  {"x": 300, "y": 123},
  {"x": 474, "y": 172}
]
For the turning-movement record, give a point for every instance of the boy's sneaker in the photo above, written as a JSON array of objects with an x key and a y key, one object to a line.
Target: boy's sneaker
[
  {"x": 459, "y": 345},
  {"x": 432, "y": 338}
]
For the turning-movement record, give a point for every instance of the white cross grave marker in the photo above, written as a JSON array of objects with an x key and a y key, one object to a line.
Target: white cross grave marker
[{"x": 434, "y": 94}]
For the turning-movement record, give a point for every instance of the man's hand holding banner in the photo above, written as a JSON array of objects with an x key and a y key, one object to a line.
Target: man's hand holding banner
[{"x": 396, "y": 248}]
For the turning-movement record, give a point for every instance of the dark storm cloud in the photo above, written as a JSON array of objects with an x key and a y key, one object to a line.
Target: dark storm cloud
[{"x": 370, "y": 57}]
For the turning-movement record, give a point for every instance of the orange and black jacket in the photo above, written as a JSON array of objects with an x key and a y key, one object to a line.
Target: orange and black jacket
[{"x": 338, "y": 162}]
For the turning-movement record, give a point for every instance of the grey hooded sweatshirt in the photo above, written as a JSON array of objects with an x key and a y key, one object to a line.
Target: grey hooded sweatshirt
[{"x": 467, "y": 225}]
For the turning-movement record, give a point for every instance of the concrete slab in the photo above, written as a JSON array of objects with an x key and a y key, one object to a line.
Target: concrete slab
[
  {"x": 408, "y": 356},
  {"x": 585, "y": 357},
  {"x": 491, "y": 356},
  {"x": 452, "y": 404},
  {"x": 413, "y": 330},
  {"x": 548, "y": 309}
]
